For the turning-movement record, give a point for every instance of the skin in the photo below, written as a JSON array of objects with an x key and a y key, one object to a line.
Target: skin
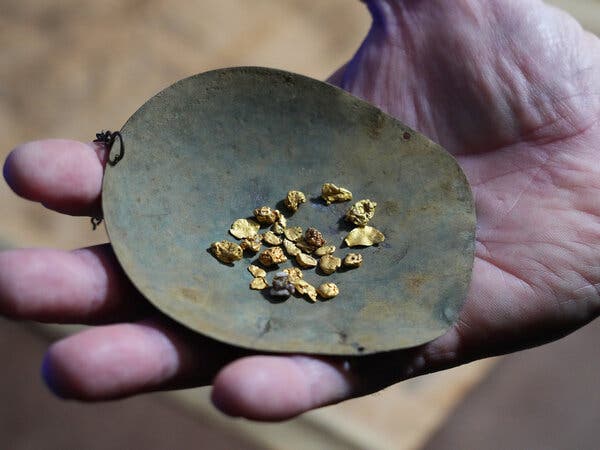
[{"x": 507, "y": 86}]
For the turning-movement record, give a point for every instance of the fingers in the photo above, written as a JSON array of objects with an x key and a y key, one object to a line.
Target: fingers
[
  {"x": 121, "y": 360},
  {"x": 274, "y": 388},
  {"x": 83, "y": 286},
  {"x": 63, "y": 175}
]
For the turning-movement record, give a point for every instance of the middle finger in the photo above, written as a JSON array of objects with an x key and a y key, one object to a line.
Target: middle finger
[{"x": 82, "y": 286}]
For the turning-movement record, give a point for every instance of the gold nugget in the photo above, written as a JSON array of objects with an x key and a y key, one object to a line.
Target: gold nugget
[
  {"x": 294, "y": 199},
  {"x": 361, "y": 212},
  {"x": 266, "y": 215},
  {"x": 305, "y": 288},
  {"x": 290, "y": 248},
  {"x": 252, "y": 244},
  {"x": 352, "y": 260},
  {"x": 314, "y": 238},
  {"x": 244, "y": 228},
  {"x": 256, "y": 271},
  {"x": 279, "y": 225},
  {"x": 294, "y": 274},
  {"x": 226, "y": 251},
  {"x": 259, "y": 283},
  {"x": 332, "y": 193},
  {"x": 329, "y": 264},
  {"x": 271, "y": 238},
  {"x": 293, "y": 233},
  {"x": 328, "y": 290},
  {"x": 324, "y": 250},
  {"x": 304, "y": 246},
  {"x": 272, "y": 256},
  {"x": 364, "y": 236},
  {"x": 306, "y": 261}
]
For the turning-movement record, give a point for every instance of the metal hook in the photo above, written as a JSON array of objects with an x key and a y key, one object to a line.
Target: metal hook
[
  {"x": 121, "y": 153},
  {"x": 96, "y": 221},
  {"x": 108, "y": 138}
]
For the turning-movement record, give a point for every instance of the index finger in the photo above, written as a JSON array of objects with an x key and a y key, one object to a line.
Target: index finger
[{"x": 63, "y": 175}]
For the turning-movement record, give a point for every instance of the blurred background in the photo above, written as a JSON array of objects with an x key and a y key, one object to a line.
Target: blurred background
[{"x": 69, "y": 68}]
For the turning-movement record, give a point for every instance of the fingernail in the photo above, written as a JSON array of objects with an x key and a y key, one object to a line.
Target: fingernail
[
  {"x": 6, "y": 171},
  {"x": 50, "y": 379}
]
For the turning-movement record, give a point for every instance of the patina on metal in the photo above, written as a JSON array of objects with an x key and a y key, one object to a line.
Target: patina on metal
[{"x": 211, "y": 148}]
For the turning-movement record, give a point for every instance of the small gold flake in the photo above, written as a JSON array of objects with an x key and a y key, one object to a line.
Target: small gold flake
[
  {"x": 256, "y": 271},
  {"x": 226, "y": 251},
  {"x": 306, "y": 261},
  {"x": 271, "y": 256},
  {"x": 361, "y": 212},
  {"x": 352, "y": 260},
  {"x": 314, "y": 238},
  {"x": 293, "y": 233},
  {"x": 244, "y": 228},
  {"x": 271, "y": 238},
  {"x": 305, "y": 288},
  {"x": 329, "y": 264},
  {"x": 324, "y": 250},
  {"x": 294, "y": 199},
  {"x": 290, "y": 247},
  {"x": 332, "y": 193},
  {"x": 364, "y": 236},
  {"x": 294, "y": 274},
  {"x": 252, "y": 244},
  {"x": 259, "y": 283},
  {"x": 266, "y": 215},
  {"x": 328, "y": 290}
]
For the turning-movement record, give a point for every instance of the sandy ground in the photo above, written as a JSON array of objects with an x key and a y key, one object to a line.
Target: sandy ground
[{"x": 71, "y": 68}]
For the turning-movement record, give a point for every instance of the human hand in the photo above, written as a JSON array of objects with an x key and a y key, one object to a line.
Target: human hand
[{"x": 507, "y": 86}]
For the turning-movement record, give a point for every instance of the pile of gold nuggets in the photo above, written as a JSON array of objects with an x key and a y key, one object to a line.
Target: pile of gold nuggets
[{"x": 307, "y": 247}]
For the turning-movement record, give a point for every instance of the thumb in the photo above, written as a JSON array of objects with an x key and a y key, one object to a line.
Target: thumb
[
  {"x": 382, "y": 60},
  {"x": 380, "y": 11}
]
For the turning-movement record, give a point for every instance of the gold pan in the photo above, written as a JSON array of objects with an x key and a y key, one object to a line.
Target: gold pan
[{"x": 213, "y": 147}]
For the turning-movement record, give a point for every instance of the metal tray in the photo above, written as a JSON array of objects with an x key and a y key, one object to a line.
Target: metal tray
[{"x": 211, "y": 148}]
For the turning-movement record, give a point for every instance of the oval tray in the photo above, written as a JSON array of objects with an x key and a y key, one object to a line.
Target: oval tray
[{"x": 211, "y": 148}]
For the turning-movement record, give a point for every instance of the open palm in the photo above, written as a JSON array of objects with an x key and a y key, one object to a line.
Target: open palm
[{"x": 508, "y": 87}]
